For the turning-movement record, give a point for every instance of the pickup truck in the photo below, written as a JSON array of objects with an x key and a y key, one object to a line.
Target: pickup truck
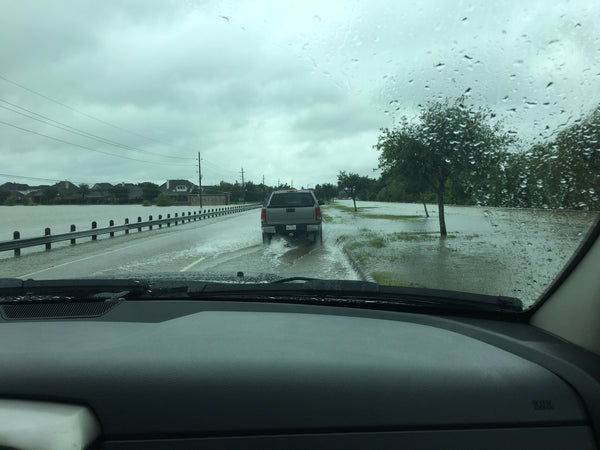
[{"x": 292, "y": 213}]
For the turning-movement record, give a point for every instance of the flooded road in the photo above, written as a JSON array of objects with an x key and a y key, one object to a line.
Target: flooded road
[
  {"x": 228, "y": 244},
  {"x": 488, "y": 250}
]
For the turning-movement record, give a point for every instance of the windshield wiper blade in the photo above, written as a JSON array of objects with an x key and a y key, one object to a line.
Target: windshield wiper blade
[
  {"x": 360, "y": 291},
  {"x": 286, "y": 289}
]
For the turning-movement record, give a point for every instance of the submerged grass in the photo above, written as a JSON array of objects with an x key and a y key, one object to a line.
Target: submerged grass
[
  {"x": 391, "y": 279},
  {"x": 350, "y": 208},
  {"x": 361, "y": 211},
  {"x": 390, "y": 216}
]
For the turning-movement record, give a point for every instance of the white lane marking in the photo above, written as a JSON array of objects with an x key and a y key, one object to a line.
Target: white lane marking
[
  {"x": 189, "y": 266},
  {"x": 95, "y": 255},
  {"x": 145, "y": 242}
]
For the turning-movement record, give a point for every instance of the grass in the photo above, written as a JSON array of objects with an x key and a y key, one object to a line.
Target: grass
[
  {"x": 390, "y": 216},
  {"x": 361, "y": 209},
  {"x": 349, "y": 208},
  {"x": 327, "y": 217},
  {"x": 390, "y": 279},
  {"x": 416, "y": 236}
]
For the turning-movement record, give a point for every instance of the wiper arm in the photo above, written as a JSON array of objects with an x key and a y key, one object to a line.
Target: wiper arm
[
  {"x": 360, "y": 291},
  {"x": 299, "y": 289}
]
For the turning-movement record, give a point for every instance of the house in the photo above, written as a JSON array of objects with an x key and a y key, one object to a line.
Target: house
[
  {"x": 177, "y": 188},
  {"x": 67, "y": 192},
  {"x": 99, "y": 193},
  {"x": 17, "y": 190}
]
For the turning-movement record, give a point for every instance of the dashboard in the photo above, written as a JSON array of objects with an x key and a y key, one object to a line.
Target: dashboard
[{"x": 230, "y": 374}]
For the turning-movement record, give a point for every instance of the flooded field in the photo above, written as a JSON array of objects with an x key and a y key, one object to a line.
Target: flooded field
[{"x": 488, "y": 250}]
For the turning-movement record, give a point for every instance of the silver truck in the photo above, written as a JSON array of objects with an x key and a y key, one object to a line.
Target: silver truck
[{"x": 292, "y": 213}]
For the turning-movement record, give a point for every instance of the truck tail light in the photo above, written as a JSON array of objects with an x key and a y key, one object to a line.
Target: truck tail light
[
  {"x": 263, "y": 215},
  {"x": 318, "y": 214}
]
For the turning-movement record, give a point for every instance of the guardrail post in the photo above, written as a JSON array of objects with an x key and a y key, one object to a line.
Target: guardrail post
[
  {"x": 111, "y": 223},
  {"x": 17, "y": 236},
  {"x": 139, "y": 220},
  {"x": 94, "y": 226},
  {"x": 160, "y": 218},
  {"x": 73, "y": 228},
  {"x": 176, "y": 218},
  {"x": 150, "y": 219},
  {"x": 47, "y": 233},
  {"x": 127, "y": 223},
  {"x": 168, "y": 222}
]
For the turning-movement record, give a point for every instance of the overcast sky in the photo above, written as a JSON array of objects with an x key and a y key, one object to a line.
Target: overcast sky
[{"x": 288, "y": 91}]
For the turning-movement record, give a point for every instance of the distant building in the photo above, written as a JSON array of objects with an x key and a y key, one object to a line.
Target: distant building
[
  {"x": 176, "y": 188},
  {"x": 99, "y": 193}
]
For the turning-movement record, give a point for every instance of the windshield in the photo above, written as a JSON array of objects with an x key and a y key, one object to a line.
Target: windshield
[
  {"x": 291, "y": 199},
  {"x": 454, "y": 146}
]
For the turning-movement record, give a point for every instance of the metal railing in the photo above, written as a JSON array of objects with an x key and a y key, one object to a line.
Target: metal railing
[{"x": 17, "y": 243}]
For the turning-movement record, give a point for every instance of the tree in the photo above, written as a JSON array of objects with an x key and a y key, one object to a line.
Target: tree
[
  {"x": 351, "y": 184},
  {"x": 4, "y": 194},
  {"x": 150, "y": 191},
  {"x": 84, "y": 190},
  {"x": 120, "y": 193},
  {"x": 326, "y": 191},
  {"x": 49, "y": 194},
  {"x": 578, "y": 163},
  {"x": 163, "y": 200},
  {"x": 449, "y": 142}
]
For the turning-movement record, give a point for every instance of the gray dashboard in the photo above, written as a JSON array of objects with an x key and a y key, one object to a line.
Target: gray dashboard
[{"x": 231, "y": 375}]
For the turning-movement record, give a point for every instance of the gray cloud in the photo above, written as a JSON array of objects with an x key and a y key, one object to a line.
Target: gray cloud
[{"x": 285, "y": 90}]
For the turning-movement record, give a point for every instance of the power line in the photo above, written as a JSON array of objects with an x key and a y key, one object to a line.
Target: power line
[
  {"x": 80, "y": 112},
  {"x": 21, "y": 177},
  {"x": 223, "y": 170},
  {"x": 85, "y": 147},
  {"x": 65, "y": 127}
]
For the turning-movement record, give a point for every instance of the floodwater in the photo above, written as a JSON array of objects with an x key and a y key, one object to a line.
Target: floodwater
[
  {"x": 496, "y": 251},
  {"x": 31, "y": 221},
  {"x": 489, "y": 250}
]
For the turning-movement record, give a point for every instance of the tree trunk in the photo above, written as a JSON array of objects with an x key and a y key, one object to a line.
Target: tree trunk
[
  {"x": 354, "y": 200},
  {"x": 440, "y": 196},
  {"x": 425, "y": 206}
]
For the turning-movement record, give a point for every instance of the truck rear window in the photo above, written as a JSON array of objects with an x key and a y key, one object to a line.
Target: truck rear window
[{"x": 292, "y": 199}]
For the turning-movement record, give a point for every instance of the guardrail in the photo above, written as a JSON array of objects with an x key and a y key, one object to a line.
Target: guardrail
[{"x": 17, "y": 243}]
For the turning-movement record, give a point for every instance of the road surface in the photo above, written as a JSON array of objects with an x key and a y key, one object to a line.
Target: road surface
[{"x": 224, "y": 244}]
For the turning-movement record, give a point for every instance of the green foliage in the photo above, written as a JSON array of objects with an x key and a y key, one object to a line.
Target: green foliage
[
  {"x": 353, "y": 184},
  {"x": 150, "y": 191},
  {"x": 84, "y": 190},
  {"x": 120, "y": 193},
  {"x": 10, "y": 201},
  {"x": 49, "y": 195},
  {"x": 326, "y": 191},
  {"x": 163, "y": 200},
  {"x": 4, "y": 194},
  {"x": 146, "y": 203},
  {"x": 449, "y": 143}
]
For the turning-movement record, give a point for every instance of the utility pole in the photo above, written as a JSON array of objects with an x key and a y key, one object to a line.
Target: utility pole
[
  {"x": 199, "y": 180},
  {"x": 242, "y": 178}
]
